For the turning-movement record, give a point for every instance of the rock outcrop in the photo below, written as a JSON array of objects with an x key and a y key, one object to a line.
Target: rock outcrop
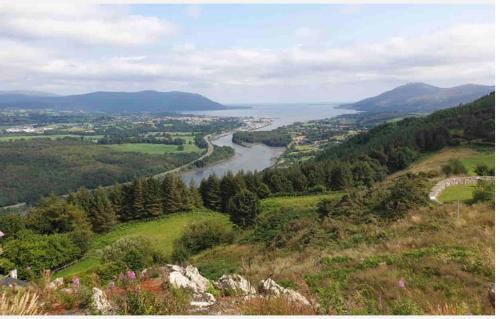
[
  {"x": 189, "y": 278},
  {"x": 270, "y": 288},
  {"x": 100, "y": 302},
  {"x": 235, "y": 285}
]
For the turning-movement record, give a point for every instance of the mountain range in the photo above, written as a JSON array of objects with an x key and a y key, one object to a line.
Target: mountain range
[
  {"x": 111, "y": 102},
  {"x": 421, "y": 97}
]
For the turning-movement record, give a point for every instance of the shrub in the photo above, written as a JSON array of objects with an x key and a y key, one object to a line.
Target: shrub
[
  {"x": 11, "y": 224},
  {"x": 484, "y": 170},
  {"x": 243, "y": 208},
  {"x": 135, "y": 252},
  {"x": 454, "y": 167},
  {"x": 407, "y": 192},
  {"x": 39, "y": 252},
  {"x": 200, "y": 236},
  {"x": 484, "y": 191}
]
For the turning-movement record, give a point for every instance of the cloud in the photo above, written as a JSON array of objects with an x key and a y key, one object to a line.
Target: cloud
[
  {"x": 109, "y": 25},
  {"x": 451, "y": 56}
]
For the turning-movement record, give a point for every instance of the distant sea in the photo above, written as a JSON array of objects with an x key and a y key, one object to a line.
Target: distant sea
[{"x": 282, "y": 114}]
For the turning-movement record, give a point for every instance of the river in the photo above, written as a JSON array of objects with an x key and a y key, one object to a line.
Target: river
[{"x": 259, "y": 156}]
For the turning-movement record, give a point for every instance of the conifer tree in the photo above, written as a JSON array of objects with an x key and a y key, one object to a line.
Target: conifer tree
[
  {"x": 152, "y": 198},
  {"x": 196, "y": 200},
  {"x": 138, "y": 201},
  {"x": 101, "y": 213},
  {"x": 209, "y": 190},
  {"x": 171, "y": 195}
]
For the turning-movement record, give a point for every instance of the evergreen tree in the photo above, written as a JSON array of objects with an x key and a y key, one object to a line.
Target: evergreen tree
[
  {"x": 171, "y": 195},
  {"x": 196, "y": 200},
  {"x": 152, "y": 198},
  {"x": 138, "y": 200},
  {"x": 209, "y": 190},
  {"x": 117, "y": 201},
  {"x": 230, "y": 185},
  {"x": 101, "y": 213},
  {"x": 243, "y": 208}
]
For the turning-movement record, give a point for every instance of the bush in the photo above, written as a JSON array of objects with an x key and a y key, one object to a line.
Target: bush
[
  {"x": 484, "y": 170},
  {"x": 135, "y": 252},
  {"x": 200, "y": 236},
  {"x": 11, "y": 224},
  {"x": 243, "y": 208},
  {"x": 484, "y": 191},
  {"x": 39, "y": 252},
  {"x": 454, "y": 167},
  {"x": 407, "y": 192}
]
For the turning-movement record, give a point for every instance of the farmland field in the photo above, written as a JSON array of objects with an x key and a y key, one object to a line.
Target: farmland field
[{"x": 154, "y": 149}]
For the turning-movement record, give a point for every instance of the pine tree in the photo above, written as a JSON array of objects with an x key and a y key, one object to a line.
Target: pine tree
[
  {"x": 171, "y": 195},
  {"x": 153, "y": 198},
  {"x": 230, "y": 185},
  {"x": 243, "y": 208},
  {"x": 209, "y": 190},
  {"x": 196, "y": 200},
  {"x": 138, "y": 202},
  {"x": 101, "y": 214},
  {"x": 116, "y": 198}
]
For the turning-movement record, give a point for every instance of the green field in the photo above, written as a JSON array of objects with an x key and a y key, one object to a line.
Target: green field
[
  {"x": 155, "y": 149},
  {"x": 486, "y": 158},
  {"x": 52, "y": 137},
  {"x": 162, "y": 231},
  {"x": 457, "y": 192},
  {"x": 297, "y": 202}
]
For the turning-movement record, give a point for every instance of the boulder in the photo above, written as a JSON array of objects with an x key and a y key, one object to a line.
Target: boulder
[
  {"x": 235, "y": 285},
  {"x": 270, "y": 288},
  {"x": 56, "y": 283},
  {"x": 100, "y": 302}
]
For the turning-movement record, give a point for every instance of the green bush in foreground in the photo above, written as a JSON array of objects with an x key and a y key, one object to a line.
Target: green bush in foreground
[{"x": 200, "y": 236}]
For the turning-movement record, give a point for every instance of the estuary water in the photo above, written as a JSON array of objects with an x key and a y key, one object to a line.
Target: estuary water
[{"x": 259, "y": 156}]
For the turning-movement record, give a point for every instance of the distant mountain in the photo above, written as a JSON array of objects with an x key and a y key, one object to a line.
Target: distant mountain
[
  {"x": 30, "y": 93},
  {"x": 114, "y": 102},
  {"x": 421, "y": 97}
]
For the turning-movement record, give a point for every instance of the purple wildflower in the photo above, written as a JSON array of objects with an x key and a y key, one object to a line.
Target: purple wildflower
[
  {"x": 130, "y": 275},
  {"x": 401, "y": 283}
]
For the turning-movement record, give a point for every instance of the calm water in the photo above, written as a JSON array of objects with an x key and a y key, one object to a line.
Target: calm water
[{"x": 259, "y": 156}]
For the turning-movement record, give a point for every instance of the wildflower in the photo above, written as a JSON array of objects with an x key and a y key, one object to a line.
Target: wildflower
[
  {"x": 130, "y": 275},
  {"x": 75, "y": 282},
  {"x": 401, "y": 283}
]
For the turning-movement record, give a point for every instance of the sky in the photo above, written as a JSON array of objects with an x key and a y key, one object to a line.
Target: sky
[{"x": 242, "y": 53}]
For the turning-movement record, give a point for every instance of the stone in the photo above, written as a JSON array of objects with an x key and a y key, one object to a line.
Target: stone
[
  {"x": 198, "y": 280},
  {"x": 271, "y": 288},
  {"x": 56, "y": 283},
  {"x": 100, "y": 302},
  {"x": 235, "y": 285},
  {"x": 178, "y": 280},
  {"x": 203, "y": 300}
]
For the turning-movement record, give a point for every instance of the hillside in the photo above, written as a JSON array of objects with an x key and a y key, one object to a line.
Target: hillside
[
  {"x": 114, "y": 102},
  {"x": 421, "y": 97}
]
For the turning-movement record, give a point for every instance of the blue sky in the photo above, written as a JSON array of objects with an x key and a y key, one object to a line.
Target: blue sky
[{"x": 245, "y": 53}]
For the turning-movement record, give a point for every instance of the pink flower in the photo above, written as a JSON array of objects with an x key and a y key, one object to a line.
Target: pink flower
[
  {"x": 401, "y": 283},
  {"x": 130, "y": 275},
  {"x": 75, "y": 282}
]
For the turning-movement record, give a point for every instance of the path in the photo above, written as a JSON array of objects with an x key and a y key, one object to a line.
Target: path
[{"x": 459, "y": 180}]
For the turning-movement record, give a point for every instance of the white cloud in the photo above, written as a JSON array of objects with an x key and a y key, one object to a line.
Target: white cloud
[
  {"x": 459, "y": 54},
  {"x": 81, "y": 23}
]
